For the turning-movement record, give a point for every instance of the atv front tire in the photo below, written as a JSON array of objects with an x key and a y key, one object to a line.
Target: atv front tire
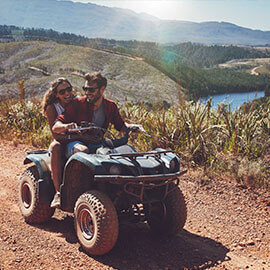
[
  {"x": 32, "y": 209},
  {"x": 96, "y": 222},
  {"x": 168, "y": 217}
]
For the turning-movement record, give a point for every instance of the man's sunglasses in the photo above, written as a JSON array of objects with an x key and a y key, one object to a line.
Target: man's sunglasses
[
  {"x": 90, "y": 89},
  {"x": 63, "y": 91}
]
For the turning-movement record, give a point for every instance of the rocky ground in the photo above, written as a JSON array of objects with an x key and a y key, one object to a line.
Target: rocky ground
[{"x": 228, "y": 227}]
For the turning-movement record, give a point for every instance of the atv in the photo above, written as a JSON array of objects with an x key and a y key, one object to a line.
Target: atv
[{"x": 113, "y": 184}]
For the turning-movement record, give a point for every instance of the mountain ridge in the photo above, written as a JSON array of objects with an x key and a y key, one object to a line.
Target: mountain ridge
[{"x": 93, "y": 21}]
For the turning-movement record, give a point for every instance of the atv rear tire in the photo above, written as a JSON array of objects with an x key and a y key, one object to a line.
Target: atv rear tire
[
  {"x": 96, "y": 222},
  {"x": 32, "y": 209},
  {"x": 168, "y": 217}
]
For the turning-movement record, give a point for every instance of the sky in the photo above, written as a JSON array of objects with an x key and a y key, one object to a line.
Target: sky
[{"x": 252, "y": 14}]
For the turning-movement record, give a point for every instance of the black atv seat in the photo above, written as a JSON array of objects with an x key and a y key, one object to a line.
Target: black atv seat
[{"x": 123, "y": 149}]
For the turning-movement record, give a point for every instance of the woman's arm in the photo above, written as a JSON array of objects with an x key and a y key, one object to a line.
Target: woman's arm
[
  {"x": 51, "y": 115},
  {"x": 60, "y": 127}
]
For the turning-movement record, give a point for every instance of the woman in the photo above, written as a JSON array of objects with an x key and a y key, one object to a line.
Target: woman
[{"x": 54, "y": 102}]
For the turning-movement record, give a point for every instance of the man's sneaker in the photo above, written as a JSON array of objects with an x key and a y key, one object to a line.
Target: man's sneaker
[{"x": 56, "y": 200}]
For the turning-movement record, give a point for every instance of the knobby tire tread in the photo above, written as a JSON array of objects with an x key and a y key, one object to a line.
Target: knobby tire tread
[
  {"x": 106, "y": 221},
  {"x": 38, "y": 212}
]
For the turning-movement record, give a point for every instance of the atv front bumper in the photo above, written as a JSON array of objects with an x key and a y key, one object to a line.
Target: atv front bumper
[{"x": 118, "y": 179}]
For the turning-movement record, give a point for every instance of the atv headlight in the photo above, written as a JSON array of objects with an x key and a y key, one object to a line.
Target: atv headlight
[
  {"x": 172, "y": 165},
  {"x": 115, "y": 169}
]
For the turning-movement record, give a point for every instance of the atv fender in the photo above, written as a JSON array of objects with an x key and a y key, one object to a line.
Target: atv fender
[
  {"x": 45, "y": 185},
  {"x": 78, "y": 177},
  {"x": 42, "y": 162}
]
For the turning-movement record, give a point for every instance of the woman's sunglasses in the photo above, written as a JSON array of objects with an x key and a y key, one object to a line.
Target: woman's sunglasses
[
  {"x": 90, "y": 89},
  {"x": 63, "y": 91}
]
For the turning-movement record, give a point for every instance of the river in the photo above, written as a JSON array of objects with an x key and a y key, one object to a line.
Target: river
[{"x": 234, "y": 99}]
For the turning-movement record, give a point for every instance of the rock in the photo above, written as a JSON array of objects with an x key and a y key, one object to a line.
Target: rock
[{"x": 250, "y": 243}]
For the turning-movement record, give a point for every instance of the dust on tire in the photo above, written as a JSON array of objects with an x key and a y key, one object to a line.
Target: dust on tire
[
  {"x": 32, "y": 209},
  {"x": 169, "y": 216},
  {"x": 102, "y": 213}
]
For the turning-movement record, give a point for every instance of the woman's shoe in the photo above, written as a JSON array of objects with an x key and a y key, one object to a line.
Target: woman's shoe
[{"x": 56, "y": 200}]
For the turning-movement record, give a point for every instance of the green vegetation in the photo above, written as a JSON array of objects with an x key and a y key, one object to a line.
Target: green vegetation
[
  {"x": 234, "y": 144},
  {"x": 193, "y": 66},
  {"x": 23, "y": 122},
  {"x": 189, "y": 54},
  {"x": 205, "y": 82}
]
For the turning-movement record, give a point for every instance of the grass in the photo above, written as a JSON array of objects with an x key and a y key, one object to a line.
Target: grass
[{"x": 23, "y": 122}]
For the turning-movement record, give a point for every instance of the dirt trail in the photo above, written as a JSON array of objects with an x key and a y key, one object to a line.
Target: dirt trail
[
  {"x": 254, "y": 72},
  {"x": 228, "y": 227}
]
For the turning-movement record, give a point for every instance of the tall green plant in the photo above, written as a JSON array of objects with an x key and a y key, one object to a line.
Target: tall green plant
[
  {"x": 24, "y": 121},
  {"x": 247, "y": 130}
]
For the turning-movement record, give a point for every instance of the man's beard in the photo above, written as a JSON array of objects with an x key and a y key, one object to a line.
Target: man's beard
[{"x": 98, "y": 95}]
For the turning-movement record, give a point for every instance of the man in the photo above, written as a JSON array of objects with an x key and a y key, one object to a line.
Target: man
[{"x": 94, "y": 108}]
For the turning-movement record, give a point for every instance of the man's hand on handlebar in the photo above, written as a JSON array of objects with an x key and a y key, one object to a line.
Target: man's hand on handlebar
[
  {"x": 85, "y": 128},
  {"x": 137, "y": 128},
  {"x": 70, "y": 128}
]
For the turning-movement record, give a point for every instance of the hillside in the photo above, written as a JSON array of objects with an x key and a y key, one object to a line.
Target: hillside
[
  {"x": 254, "y": 66},
  {"x": 38, "y": 63},
  {"x": 114, "y": 23}
]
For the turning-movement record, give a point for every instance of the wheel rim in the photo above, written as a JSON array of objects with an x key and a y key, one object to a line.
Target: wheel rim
[
  {"x": 86, "y": 223},
  {"x": 26, "y": 195}
]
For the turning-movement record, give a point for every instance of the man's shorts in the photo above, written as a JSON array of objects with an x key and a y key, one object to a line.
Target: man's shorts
[{"x": 70, "y": 146}]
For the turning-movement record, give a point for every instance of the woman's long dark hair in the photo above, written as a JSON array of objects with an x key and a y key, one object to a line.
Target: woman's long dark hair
[{"x": 50, "y": 95}]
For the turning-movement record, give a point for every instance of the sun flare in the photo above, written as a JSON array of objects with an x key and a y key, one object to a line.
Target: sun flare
[{"x": 163, "y": 9}]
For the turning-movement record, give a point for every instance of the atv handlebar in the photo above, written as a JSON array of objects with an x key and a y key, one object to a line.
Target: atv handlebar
[
  {"x": 94, "y": 127},
  {"x": 84, "y": 128},
  {"x": 79, "y": 134}
]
